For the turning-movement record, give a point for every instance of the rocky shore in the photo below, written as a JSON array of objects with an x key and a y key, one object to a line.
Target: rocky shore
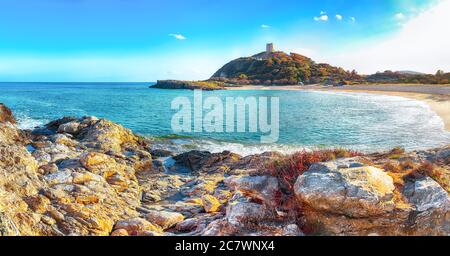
[
  {"x": 90, "y": 176},
  {"x": 189, "y": 85}
]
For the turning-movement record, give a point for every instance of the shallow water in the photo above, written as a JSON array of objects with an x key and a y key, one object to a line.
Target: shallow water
[{"x": 307, "y": 119}]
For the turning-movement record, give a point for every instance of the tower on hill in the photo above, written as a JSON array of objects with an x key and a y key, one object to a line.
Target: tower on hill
[{"x": 269, "y": 50}]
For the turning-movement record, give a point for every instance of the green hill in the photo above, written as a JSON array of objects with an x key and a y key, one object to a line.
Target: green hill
[
  {"x": 389, "y": 77},
  {"x": 280, "y": 68}
]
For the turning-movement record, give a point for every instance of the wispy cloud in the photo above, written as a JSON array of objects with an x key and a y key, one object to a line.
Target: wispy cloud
[
  {"x": 265, "y": 26},
  {"x": 352, "y": 19},
  {"x": 178, "y": 36},
  {"x": 338, "y": 17},
  {"x": 322, "y": 17},
  {"x": 400, "y": 16}
]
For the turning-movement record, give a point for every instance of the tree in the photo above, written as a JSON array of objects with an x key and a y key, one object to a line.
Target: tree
[{"x": 243, "y": 76}]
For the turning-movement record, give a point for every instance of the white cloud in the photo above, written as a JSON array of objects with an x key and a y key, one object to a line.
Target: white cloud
[
  {"x": 322, "y": 12},
  {"x": 352, "y": 19},
  {"x": 178, "y": 36},
  {"x": 265, "y": 26},
  {"x": 400, "y": 16},
  {"x": 338, "y": 17},
  {"x": 323, "y": 17},
  {"x": 420, "y": 45}
]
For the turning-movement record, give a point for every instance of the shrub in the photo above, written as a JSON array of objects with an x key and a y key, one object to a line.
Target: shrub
[
  {"x": 407, "y": 165},
  {"x": 392, "y": 167},
  {"x": 424, "y": 169},
  {"x": 288, "y": 168}
]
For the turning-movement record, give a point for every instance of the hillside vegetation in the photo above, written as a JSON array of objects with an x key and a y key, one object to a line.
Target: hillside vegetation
[
  {"x": 409, "y": 78},
  {"x": 289, "y": 69},
  {"x": 281, "y": 69}
]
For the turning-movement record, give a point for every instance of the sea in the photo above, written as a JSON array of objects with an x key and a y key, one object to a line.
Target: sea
[{"x": 307, "y": 119}]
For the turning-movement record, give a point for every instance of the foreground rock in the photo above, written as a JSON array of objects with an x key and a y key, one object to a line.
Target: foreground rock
[
  {"x": 6, "y": 115},
  {"x": 90, "y": 176},
  {"x": 69, "y": 181},
  {"x": 339, "y": 187},
  {"x": 346, "y": 198}
]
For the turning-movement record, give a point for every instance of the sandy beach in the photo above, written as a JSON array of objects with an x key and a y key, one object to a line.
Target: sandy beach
[{"x": 436, "y": 96}]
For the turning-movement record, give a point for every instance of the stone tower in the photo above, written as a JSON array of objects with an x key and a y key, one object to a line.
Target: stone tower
[{"x": 269, "y": 49}]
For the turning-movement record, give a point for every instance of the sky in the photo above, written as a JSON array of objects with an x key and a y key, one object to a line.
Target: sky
[{"x": 146, "y": 40}]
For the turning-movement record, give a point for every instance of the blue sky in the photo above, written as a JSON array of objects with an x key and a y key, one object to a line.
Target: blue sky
[{"x": 145, "y": 40}]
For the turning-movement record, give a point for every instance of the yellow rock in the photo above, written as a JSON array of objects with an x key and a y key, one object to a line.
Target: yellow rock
[
  {"x": 210, "y": 203},
  {"x": 196, "y": 200},
  {"x": 87, "y": 199},
  {"x": 137, "y": 225},
  {"x": 38, "y": 203},
  {"x": 92, "y": 159},
  {"x": 119, "y": 232},
  {"x": 164, "y": 219}
]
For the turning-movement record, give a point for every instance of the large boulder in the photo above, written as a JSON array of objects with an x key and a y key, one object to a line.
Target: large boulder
[
  {"x": 355, "y": 191},
  {"x": 72, "y": 127},
  {"x": 164, "y": 219},
  {"x": 6, "y": 115},
  {"x": 425, "y": 194},
  {"x": 105, "y": 135},
  {"x": 196, "y": 160},
  {"x": 345, "y": 197},
  {"x": 261, "y": 188},
  {"x": 431, "y": 207},
  {"x": 137, "y": 226},
  {"x": 242, "y": 214}
]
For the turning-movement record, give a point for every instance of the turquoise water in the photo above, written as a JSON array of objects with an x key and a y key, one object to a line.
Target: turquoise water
[{"x": 307, "y": 119}]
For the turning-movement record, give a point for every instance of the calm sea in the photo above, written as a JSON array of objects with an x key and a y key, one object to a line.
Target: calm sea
[{"x": 307, "y": 119}]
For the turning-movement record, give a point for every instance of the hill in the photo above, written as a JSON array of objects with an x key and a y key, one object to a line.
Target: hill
[
  {"x": 278, "y": 68},
  {"x": 408, "y": 78}
]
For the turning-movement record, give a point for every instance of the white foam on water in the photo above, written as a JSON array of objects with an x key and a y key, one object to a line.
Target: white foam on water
[
  {"x": 410, "y": 111},
  {"x": 25, "y": 122},
  {"x": 248, "y": 149},
  {"x": 410, "y": 115},
  {"x": 186, "y": 144}
]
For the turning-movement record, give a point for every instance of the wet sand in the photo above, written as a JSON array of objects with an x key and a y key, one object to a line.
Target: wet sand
[{"x": 436, "y": 96}]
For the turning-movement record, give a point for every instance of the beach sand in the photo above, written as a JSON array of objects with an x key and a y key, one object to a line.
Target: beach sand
[{"x": 437, "y": 97}]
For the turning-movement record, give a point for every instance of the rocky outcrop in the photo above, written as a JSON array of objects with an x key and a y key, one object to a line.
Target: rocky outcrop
[
  {"x": 6, "y": 115},
  {"x": 75, "y": 177},
  {"x": 90, "y": 176},
  {"x": 340, "y": 188},
  {"x": 261, "y": 188},
  {"x": 347, "y": 198},
  {"x": 190, "y": 85},
  {"x": 204, "y": 160}
]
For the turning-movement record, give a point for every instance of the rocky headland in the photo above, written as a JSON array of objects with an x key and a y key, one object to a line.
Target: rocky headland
[
  {"x": 189, "y": 85},
  {"x": 90, "y": 176},
  {"x": 277, "y": 68}
]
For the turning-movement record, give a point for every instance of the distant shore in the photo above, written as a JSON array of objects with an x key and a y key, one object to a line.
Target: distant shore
[{"x": 436, "y": 96}]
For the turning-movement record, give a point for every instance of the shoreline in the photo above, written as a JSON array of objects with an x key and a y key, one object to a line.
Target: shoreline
[{"x": 436, "y": 97}]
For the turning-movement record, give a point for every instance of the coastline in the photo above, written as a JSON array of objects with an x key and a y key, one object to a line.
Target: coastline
[
  {"x": 436, "y": 97},
  {"x": 86, "y": 176}
]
